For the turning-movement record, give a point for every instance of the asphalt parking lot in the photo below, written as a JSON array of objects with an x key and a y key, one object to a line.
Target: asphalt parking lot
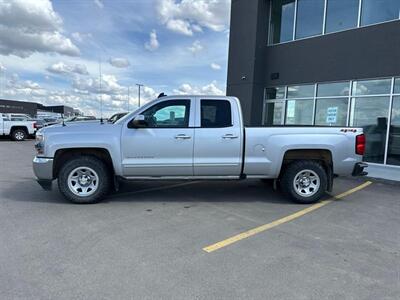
[{"x": 147, "y": 241}]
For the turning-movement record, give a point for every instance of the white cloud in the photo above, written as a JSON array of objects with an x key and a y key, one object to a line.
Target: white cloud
[
  {"x": 209, "y": 89},
  {"x": 81, "y": 37},
  {"x": 179, "y": 26},
  {"x": 28, "y": 26},
  {"x": 187, "y": 16},
  {"x": 197, "y": 28},
  {"x": 119, "y": 62},
  {"x": 99, "y": 3},
  {"x": 109, "y": 85},
  {"x": 196, "y": 47},
  {"x": 62, "y": 68},
  {"x": 153, "y": 43},
  {"x": 215, "y": 66},
  {"x": 2, "y": 68}
]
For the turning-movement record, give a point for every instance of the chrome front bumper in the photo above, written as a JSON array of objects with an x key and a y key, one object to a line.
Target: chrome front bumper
[{"x": 43, "y": 168}]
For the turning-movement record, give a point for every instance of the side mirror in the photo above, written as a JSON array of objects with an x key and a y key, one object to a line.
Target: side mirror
[{"x": 138, "y": 122}]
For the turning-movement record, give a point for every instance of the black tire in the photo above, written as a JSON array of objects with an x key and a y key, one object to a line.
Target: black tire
[
  {"x": 19, "y": 135},
  {"x": 103, "y": 184},
  {"x": 289, "y": 175}
]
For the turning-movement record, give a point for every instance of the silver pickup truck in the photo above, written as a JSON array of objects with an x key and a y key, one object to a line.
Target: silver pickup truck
[{"x": 193, "y": 137}]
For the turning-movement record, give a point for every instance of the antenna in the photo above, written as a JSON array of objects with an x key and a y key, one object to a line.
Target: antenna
[
  {"x": 101, "y": 95},
  {"x": 139, "y": 86}
]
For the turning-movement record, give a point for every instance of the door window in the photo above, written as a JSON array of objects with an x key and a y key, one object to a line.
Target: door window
[
  {"x": 168, "y": 114},
  {"x": 216, "y": 114}
]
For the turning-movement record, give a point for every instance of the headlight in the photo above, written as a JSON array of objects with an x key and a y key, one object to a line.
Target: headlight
[
  {"x": 39, "y": 137},
  {"x": 39, "y": 144}
]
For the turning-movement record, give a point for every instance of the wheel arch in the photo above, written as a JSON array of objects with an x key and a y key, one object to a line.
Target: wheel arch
[
  {"x": 16, "y": 127},
  {"x": 63, "y": 155},
  {"x": 323, "y": 156}
]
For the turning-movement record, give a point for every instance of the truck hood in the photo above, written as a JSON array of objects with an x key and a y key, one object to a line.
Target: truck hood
[{"x": 83, "y": 127}]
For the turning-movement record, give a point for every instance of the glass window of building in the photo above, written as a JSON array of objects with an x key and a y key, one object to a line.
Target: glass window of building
[
  {"x": 393, "y": 156},
  {"x": 372, "y": 87},
  {"x": 371, "y": 114},
  {"x": 274, "y": 113},
  {"x": 341, "y": 15},
  {"x": 310, "y": 16},
  {"x": 275, "y": 93},
  {"x": 376, "y": 11},
  {"x": 397, "y": 86},
  {"x": 333, "y": 89},
  {"x": 300, "y": 91},
  {"x": 282, "y": 21},
  {"x": 299, "y": 112},
  {"x": 331, "y": 112}
]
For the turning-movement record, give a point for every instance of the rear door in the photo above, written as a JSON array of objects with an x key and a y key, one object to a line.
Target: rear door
[{"x": 218, "y": 138}]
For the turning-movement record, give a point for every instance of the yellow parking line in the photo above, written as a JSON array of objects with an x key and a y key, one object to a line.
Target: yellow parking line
[{"x": 283, "y": 220}]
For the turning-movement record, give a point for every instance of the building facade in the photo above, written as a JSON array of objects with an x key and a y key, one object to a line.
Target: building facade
[
  {"x": 20, "y": 107},
  {"x": 32, "y": 108},
  {"x": 320, "y": 63}
]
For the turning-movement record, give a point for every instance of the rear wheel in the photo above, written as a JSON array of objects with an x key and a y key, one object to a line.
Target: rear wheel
[
  {"x": 305, "y": 181},
  {"x": 18, "y": 135},
  {"x": 84, "y": 180}
]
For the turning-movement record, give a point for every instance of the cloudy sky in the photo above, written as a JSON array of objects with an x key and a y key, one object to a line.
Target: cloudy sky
[{"x": 50, "y": 50}]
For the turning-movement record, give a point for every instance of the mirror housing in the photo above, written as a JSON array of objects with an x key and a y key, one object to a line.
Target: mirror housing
[{"x": 138, "y": 122}]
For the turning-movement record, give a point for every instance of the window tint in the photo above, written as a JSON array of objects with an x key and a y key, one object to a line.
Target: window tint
[
  {"x": 275, "y": 93},
  {"x": 393, "y": 157},
  {"x": 300, "y": 91},
  {"x": 341, "y": 15},
  {"x": 371, "y": 113},
  {"x": 333, "y": 89},
  {"x": 299, "y": 112},
  {"x": 331, "y": 112},
  {"x": 375, "y": 11},
  {"x": 215, "y": 113},
  {"x": 310, "y": 16},
  {"x": 372, "y": 87},
  {"x": 397, "y": 86},
  {"x": 282, "y": 19},
  {"x": 274, "y": 113},
  {"x": 168, "y": 114}
]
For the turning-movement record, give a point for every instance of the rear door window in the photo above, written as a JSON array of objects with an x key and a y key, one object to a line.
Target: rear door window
[{"x": 216, "y": 114}]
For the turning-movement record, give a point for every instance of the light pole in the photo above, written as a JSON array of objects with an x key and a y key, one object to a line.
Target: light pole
[{"x": 139, "y": 86}]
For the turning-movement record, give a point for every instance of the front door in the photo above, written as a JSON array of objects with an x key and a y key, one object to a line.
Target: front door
[{"x": 165, "y": 146}]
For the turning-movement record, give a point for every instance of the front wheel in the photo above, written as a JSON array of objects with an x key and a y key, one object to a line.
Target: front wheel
[
  {"x": 84, "y": 180},
  {"x": 305, "y": 181}
]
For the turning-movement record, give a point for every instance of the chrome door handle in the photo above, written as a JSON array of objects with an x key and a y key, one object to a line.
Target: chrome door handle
[
  {"x": 229, "y": 136},
  {"x": 182, "y": 137}
]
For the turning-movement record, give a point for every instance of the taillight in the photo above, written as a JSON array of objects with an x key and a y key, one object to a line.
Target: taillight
[{"x": 360, "y": 144}]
